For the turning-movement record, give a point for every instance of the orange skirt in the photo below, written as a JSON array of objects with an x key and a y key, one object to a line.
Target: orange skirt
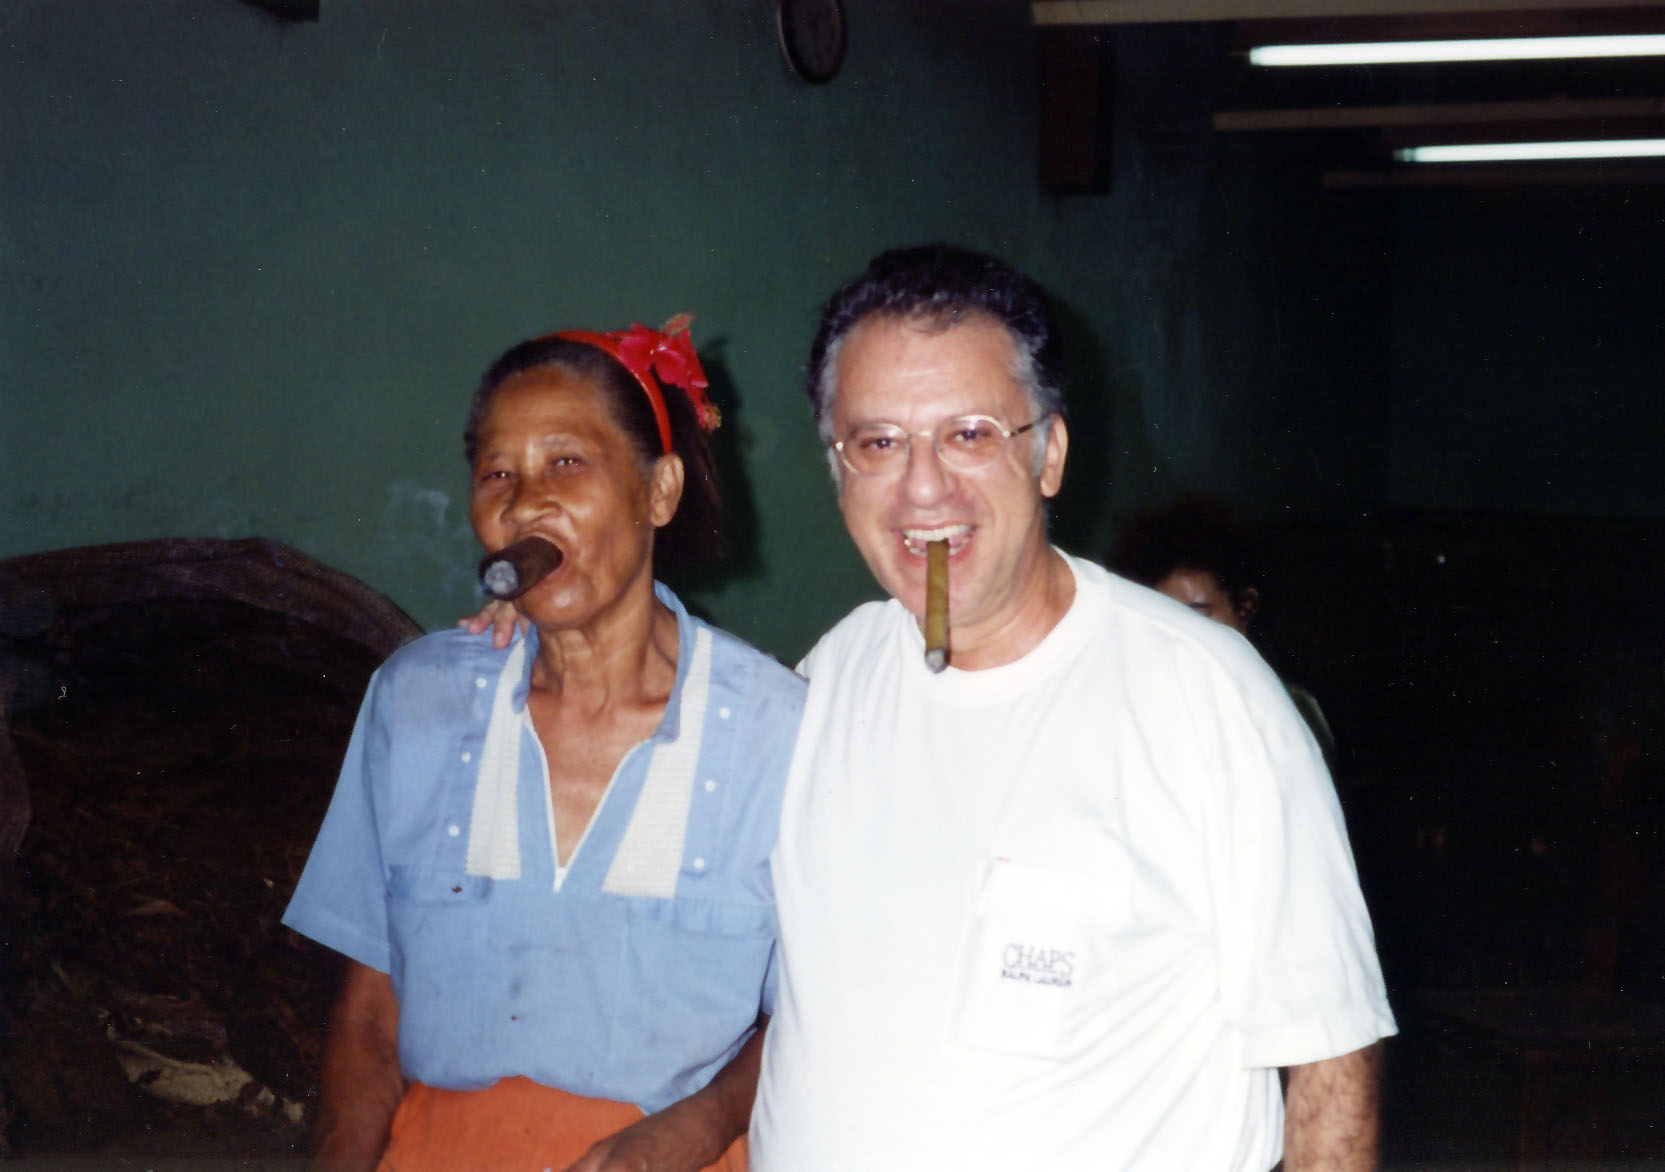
[{"x": 514, "y": 1124}]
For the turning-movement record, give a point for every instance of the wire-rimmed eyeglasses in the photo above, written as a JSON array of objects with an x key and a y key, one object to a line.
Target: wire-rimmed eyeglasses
[{"x": 961, "y": 443}]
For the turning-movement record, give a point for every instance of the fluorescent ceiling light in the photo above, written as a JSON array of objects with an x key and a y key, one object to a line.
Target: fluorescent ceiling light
[
  {"x": 1505, "y": 49},
  {"x": 1500, "y": 152}
]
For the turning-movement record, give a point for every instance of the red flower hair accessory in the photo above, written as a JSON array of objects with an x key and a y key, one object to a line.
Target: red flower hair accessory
[{"x": 659, "y": 356}]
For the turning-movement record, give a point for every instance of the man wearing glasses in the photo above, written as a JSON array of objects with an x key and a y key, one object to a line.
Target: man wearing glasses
[{"x": 1074, "y": 901}]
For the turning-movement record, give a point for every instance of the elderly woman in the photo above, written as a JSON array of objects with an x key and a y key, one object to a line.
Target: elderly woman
[{"x": 547, "y": 863}]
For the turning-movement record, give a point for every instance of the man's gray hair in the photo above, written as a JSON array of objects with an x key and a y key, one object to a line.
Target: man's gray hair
[{"x": 936, "y": 287}]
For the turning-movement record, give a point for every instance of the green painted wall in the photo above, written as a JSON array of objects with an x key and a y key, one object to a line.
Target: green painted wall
[{"x": 252, "y": 269}]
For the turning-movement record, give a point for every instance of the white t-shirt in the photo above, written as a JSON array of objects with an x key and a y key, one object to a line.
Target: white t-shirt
[{"x": 1068, "y": 913}]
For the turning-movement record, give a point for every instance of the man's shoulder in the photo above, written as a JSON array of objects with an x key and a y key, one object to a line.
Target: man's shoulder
[
  {"x": 1147, "y": 613},
  {"x": 1153, "y": 630},
  {"x": 856, "y": 634},
  {"x": 866, "y": 620}
]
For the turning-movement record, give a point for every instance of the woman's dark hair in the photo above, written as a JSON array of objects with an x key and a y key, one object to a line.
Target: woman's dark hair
[
  {"x": 1193, "y": 532},
  {"x": 695, "y": 533}
]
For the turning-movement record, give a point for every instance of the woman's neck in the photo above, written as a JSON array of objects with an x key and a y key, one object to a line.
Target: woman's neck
[{"x": 625, "y": 655}]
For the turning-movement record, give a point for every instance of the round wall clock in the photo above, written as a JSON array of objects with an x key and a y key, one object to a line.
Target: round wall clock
[{"x": 812, "y": 36}]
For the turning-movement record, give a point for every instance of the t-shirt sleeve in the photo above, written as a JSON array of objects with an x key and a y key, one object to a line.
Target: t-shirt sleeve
[
  {"x": 341, "y": 899},
  {"x": 1299, "y": 970}
]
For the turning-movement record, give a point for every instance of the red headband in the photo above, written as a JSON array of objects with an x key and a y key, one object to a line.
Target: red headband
[{"x": 667, "y": 353}]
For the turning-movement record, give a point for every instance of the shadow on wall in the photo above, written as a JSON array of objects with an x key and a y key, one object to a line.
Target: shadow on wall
[
  {"x": 1078, "y": 512},
  {"x": 742, "y": 524}
]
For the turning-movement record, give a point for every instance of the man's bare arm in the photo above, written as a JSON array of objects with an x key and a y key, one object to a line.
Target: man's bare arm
[
  {"x": 1331, "y": 1113},
  {"x": 362, "y": 1083},
  {"x": 690, "y": 1133}
]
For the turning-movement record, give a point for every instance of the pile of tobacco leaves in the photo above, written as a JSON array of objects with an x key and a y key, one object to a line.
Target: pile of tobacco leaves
[{"x": 172, "y": 718}]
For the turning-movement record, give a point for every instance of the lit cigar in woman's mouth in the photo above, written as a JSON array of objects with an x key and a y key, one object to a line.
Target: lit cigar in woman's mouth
[
  {"x": 936, "y": 605},
  {"x": 515, "y": 569}
]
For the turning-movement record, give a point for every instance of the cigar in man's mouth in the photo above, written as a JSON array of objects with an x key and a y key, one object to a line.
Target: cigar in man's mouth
[{"x": 936, "y": 605}]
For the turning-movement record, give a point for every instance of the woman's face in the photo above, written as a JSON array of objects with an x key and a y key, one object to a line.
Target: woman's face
[
  {"x": 1202, "y": 592},
  {"x": 552, "y": 461}
]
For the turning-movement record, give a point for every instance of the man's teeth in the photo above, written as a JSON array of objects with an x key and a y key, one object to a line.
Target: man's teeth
[{"x": 917, "y": 538}]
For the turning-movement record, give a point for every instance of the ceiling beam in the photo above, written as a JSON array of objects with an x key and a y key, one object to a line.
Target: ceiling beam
[
  {"x": 1471, "y": 114},
  {"x": 1117, "y": 12},
  {"x": 1517, "y": 176}
]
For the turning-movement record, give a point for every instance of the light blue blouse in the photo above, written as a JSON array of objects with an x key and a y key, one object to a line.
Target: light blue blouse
[{"x": 636, "y": 973}]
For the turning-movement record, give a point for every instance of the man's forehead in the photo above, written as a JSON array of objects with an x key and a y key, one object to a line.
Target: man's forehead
[{"x": 896, "y": 361}]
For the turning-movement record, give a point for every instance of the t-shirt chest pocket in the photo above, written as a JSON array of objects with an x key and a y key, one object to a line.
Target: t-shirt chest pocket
[{"x": 1035, "y": 942}]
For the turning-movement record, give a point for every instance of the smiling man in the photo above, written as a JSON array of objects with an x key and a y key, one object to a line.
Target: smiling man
[{"x": 1074, "y": 901}]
